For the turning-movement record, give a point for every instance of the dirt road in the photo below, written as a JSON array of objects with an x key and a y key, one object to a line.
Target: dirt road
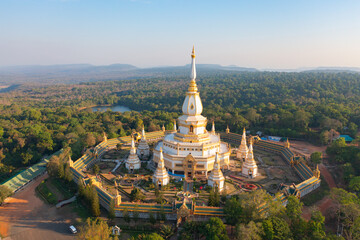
[
  {"x": 26, "y": 217},
  {"x": 324, "y": 204}
]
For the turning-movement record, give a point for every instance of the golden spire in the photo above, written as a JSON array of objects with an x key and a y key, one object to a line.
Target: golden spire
[
  {"x": 317, "y": 171},
  {"x": 227, "y": 129},
  {"x": 193, "y": 68},
  {"x": 287, "y": 143},
  {"x": 105, "y": 137}
]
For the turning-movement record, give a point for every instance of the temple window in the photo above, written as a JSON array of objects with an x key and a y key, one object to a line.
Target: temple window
[{"x": 191, "y": 129}]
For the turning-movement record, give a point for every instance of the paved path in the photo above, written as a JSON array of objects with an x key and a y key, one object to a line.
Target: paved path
[
  {"x": 67, "y": 201},
  {"x": 27, "y": 217},
  {"x": 265, "y": 167}
]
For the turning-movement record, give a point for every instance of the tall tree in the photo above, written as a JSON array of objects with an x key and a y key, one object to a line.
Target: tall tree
[
  {"x": 111, "y": 213},
  {"x": 95, "y": 206},
  {"x": 95, "y": 230},
  {"x": 90, "y": 140},
  {"x": 233, "y": 211},
  {"x": 215, "y": 229},
  {"x": 250, "y": 231},
  {"x": 4, "y": 193}
]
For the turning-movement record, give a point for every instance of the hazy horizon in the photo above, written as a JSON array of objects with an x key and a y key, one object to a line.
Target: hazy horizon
[
  {"x": 187, "y": 64},
  {"x": 254, "y": 34}
]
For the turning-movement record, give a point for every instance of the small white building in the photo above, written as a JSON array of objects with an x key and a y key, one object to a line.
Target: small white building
[
  {"x": 133, "y": 162},
  {"x": 243, "y": 150},
  {"x": 216, "y": 177},
  {"x": 161, "y": 176},
  {"x": 249, "y": 167},
  {"x": 143, "y": 149}
]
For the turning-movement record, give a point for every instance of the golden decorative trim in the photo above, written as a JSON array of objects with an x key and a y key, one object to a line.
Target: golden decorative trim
[
  {"x": 192, "y": 94},
  {"x": 192, "y": 86}
]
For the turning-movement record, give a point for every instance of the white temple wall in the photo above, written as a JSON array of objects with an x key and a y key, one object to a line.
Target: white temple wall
[
  {"x": 183, "y": 130},
  {"x": 199, "y": 152},
  {"x": 197, "y": 130}
]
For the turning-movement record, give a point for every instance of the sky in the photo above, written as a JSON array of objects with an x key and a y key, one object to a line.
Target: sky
[{"x": 265, "y": 34}]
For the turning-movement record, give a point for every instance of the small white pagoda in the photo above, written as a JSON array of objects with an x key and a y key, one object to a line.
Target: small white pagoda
[
  {"x": 161, "y": 176},
  {"x": 243, "y": 150},
  {"x": 143, "y": 149},
  {"x": 133, "y": 162},
  {"x": 216, "y": 177},
  {"x": 249, "y": 167}
]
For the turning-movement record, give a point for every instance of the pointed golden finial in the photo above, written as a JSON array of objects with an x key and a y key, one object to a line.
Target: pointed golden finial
[
  {"x": 287, "y": 143},
  {"x": 227, "y": 129},
  {"x": 317, "y": 171},
  {"x": 193, "y": 52}
]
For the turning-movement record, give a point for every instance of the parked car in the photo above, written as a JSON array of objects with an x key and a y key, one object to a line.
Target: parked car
[{"x": 73, "y": 229}]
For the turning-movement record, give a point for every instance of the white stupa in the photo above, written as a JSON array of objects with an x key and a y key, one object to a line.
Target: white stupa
[
  {"x": 190, "y": 149},
  {"x": 133, "y": 162},
  {"x": 216, "y": 177},
  {"x": 249, "y": 167},
  {"x": 143, "y": 149},
  {"x": 161, "y": 176},
  {"x": 243, "y": 150}
]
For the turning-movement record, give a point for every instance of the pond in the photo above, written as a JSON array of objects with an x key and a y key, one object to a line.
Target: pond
[{"x": 115, "y": 108}]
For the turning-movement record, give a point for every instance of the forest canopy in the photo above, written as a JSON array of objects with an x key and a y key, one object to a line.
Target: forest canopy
[{"x": 36, "y": 120}]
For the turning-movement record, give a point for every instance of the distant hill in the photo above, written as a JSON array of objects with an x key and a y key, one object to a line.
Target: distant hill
[
  {"x": 317, "y": 69},
  {"x": 334, "y": 69},
  {"x": 230, "y": 68},
  {"x": 75, "y": 73}
]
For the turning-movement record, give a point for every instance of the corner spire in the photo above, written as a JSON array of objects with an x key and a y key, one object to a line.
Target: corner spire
[
  {"x": 133, "y": 148},
  {"x": 216, "y": 164},
  {"x": 143, "y": 133},
  {"x": 175, "y": 128},
  {"x": 161, "y": 158}
]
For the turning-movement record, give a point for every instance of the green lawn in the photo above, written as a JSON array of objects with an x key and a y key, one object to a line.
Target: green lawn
[
  {"x": 64, "y": 188},
  {"x": 82, "y": 211},
  {"x": 45, "y": 193}
]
